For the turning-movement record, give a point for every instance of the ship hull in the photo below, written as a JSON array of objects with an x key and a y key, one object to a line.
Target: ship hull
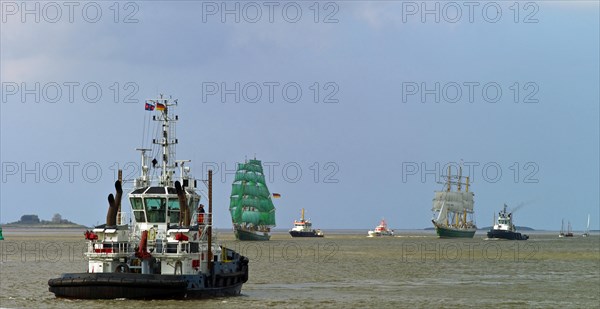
[
  {"x": 379, "y": 234},
  {"x": 305, "y": 234},
  {"x": 138, "y": 286},
  {"x": 448, "y": 232},
  {"x": 502, "y": 234},
  {"x": 246, "y": 235}
]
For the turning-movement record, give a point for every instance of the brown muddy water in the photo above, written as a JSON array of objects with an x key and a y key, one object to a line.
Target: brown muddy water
[{"x": 344, "y": 270}]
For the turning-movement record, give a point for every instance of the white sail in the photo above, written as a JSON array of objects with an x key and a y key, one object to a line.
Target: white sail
[
  {"x": 587, "y": 229},
  {"x": 443, "y": 213},
  {"x": 468, "y": 201},
  {"x": 454, "y": 201}
]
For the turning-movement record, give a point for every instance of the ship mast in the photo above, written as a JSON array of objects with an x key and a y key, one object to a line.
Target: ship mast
[
  {"x": 449, "y": 180},
  {"x": 459, "y": 178},
  {"x": 210, "y": 254},
  {"x": 143, "y": 180},
  {"x": 165, "y": 142}
]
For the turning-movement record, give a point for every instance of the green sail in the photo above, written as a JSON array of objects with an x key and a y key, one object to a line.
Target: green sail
[
  {"x": 250, "y": 200},
  {"x": 250, "y": 177}
]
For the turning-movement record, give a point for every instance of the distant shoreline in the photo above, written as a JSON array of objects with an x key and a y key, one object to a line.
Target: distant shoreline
[
  {"x": 224, "y": 229},
  {"x": 44, "y": 226}
]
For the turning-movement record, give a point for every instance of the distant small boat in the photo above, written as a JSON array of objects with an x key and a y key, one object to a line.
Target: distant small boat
[
  {"x": 585, "y": 234},
  {"x": 303, "y": 228},
  {"x": 381, "y": 230},
  {"x": 562, "y": 227},
  {"x": 504, "y": 228},
  {"x": 569, "y": 232}
]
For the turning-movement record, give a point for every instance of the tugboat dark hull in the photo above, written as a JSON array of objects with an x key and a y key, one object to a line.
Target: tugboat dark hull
[
  {"x": 305, "y": 234},
  {"x": 502, "y": 234},
  {"x": 138, "y": 286}
]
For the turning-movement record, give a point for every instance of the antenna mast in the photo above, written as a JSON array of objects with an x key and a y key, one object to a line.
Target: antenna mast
[{"x": 165, "y": 142}]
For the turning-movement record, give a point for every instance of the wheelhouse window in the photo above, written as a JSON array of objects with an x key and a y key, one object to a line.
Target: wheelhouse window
[
  {"x": 156, "y": 209},
  {"x": 173, "y": 210},
  {"x": 138, "y": 209}
]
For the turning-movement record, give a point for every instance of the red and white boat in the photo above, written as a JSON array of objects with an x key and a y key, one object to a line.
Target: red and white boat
[{"x": 381, "y": 230}]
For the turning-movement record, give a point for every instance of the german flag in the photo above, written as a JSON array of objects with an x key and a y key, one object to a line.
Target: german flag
[
  {"x": 276, "y": 195},
  {"x": 160, "y": 107}
]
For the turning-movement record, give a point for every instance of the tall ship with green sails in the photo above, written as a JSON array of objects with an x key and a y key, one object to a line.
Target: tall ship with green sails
[
  {"x": 453, "y": 210},
  {"x": 251, "y": 207}
]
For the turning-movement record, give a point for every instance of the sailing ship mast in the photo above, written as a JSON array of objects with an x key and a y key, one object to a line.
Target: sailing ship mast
[
  {"x": 251, "y": 207},
  {"x": 452, "y": 208},
  {"x": 587, "y": 229}
]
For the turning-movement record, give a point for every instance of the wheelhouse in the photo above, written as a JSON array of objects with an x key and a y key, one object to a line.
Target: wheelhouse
[{"x": 155, "y": 205}]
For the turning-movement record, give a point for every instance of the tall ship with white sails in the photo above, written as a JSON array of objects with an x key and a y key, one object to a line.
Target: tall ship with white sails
[
  {"x": 165, "y": 249},
  {"x": 453, "y": 210}
]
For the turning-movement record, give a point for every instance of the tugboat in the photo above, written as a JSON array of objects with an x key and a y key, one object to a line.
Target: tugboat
[
  {"x": 251, "y": 207},
  {"x": 452, "y": 208},
  {"x": 381, "y": 230},
  {"x": 166, "y": 250},
  {"x": 504, "y": 228},
  {"x": 303, "y": 228}
]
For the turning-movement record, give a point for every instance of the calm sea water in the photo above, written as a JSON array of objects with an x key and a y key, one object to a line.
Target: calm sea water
[{"x": 345, "y": 270}]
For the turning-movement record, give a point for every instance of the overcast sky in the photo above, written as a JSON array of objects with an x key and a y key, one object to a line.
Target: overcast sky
[{"x": 355, "y": 106}]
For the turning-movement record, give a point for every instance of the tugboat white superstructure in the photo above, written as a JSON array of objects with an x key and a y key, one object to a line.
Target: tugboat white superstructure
[
  {"x": 303, "y": 228},
  {"x": 167, "y": 250},
  {"x": 504, "y": 228}
]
